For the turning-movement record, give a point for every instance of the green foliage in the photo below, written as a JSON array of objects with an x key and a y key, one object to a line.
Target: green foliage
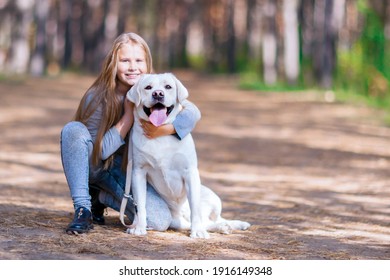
[
  {"x": 197, "y": 62},
  {"x": 252, "y": 81},
  {"x": 350, "y": 70},
  {"x": 363, "y": 71}
]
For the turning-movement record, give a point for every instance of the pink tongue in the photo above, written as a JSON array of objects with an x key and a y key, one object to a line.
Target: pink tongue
[{"x": 158, "y": 117}]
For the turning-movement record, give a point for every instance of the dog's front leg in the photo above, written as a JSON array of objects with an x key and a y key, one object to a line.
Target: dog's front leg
[
  {"x": 139, "y": 193},
  {"x": 193, "y": 187}
]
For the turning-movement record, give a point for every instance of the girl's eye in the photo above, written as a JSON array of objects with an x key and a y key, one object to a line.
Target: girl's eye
[
  {"x": 148, "y": 87},
  {"x": 168, "y": 87}
]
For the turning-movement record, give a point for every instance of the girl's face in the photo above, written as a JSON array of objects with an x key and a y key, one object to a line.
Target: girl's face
[{"x": 131, "y": 65}]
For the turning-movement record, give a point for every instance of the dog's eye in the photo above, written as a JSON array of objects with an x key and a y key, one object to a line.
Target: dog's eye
[
  {"x": 148, "y": 87},
  {"x": 168, "y": 87}
]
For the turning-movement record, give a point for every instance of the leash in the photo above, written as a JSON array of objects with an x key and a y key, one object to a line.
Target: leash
[{"x": 127, "y": 195}]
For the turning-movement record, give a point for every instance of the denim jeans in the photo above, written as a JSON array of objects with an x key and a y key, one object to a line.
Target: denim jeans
[{"x": 76, "y": 151}]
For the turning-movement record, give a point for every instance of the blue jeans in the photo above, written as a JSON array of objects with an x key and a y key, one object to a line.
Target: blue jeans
[{"x": 76, "y": 151}]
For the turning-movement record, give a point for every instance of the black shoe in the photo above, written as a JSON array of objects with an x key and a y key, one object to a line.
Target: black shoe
[
  {"x": 97, "y": 208},
  {"x": 82, "y": 221},
  {"x": 98, "y": 214}
]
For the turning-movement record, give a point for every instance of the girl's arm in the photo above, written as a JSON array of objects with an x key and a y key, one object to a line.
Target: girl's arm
[
  {"x": 115, "y": 136},
  {"x": 113, "y": 139},
  {"x": 127, "y": 120}
]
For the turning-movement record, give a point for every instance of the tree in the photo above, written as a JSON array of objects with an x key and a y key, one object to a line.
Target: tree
[
  {"x": 21, "y": 18},
  {"x": 38, "y": 61},
  {"x": 324, "y": 45},
  {"x": 291, "y": 40},
  {"x": 270, "y": 43}
]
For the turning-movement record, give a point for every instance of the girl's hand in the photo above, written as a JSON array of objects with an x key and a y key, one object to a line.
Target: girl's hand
[{"x": 151, "y": 131}]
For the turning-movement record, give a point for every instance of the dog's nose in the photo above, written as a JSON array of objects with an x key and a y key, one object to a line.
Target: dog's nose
[{"x": 158, "y": 95}]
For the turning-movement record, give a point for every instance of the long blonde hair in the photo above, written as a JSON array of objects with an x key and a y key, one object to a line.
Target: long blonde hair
[{"x": 103, "y": 93}]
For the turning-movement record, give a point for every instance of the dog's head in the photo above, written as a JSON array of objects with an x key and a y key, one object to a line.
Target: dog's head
[{"x": 157, "y": 97}]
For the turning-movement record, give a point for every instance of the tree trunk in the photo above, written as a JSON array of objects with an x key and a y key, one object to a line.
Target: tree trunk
[
  {"x": 20, "y": 52},
  {"x": 37, "y": 66},
  {"x": 5, "y": 34},
  {"x": 325, "y": 43},
  {"x": 111, "y": 21},
  {"x": 212, "y": 49},
  {"x": 291, "y": 40},
  {"x": 253, "y": 35},
  {"x": 92, "y": 24},
  {"x": 67, "y": 52},
  {"x": 231, "y": 38},
  {"x": 270, "y": 43},
  {"x": 123, "y": 14}
]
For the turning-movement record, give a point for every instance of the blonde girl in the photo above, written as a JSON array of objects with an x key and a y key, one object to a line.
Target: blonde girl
[{"x": 94, "y": 144}]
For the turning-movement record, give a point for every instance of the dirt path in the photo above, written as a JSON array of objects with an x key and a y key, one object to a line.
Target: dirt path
[{"x": 312, "y": 177}]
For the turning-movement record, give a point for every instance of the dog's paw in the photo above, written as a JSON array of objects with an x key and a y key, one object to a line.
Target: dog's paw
[
  {"x": 199, "y": 234},
  {"x": 244, "y": 226},
  {"x": 239, "y": 225},
  {"x": 136, "y": 231}
]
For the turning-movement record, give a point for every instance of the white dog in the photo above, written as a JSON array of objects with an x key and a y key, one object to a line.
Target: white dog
[{"x": 169, "y": 164}]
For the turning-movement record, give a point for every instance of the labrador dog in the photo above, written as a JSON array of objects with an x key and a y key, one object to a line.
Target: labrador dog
[{"x": 170, "y": 164}]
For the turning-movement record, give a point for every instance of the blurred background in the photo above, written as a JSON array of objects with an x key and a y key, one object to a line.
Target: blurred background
[
  {"x": 338, "y": 45},
  {"x": 311, "y": 173}
]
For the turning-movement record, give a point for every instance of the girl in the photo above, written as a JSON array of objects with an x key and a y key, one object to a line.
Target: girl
[{"x": 93, "y": 146}]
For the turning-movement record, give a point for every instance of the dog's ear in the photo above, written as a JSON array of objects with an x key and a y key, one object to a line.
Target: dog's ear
[
  {"x": 182, "y": 92},
  {"x": 134, "y": 94}
]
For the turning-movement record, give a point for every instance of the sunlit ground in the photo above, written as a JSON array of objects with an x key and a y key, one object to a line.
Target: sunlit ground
[{"x": 312, "y": 177}]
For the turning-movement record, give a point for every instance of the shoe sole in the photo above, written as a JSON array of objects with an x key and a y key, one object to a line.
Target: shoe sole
[{"x": 72, "y": 231}]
